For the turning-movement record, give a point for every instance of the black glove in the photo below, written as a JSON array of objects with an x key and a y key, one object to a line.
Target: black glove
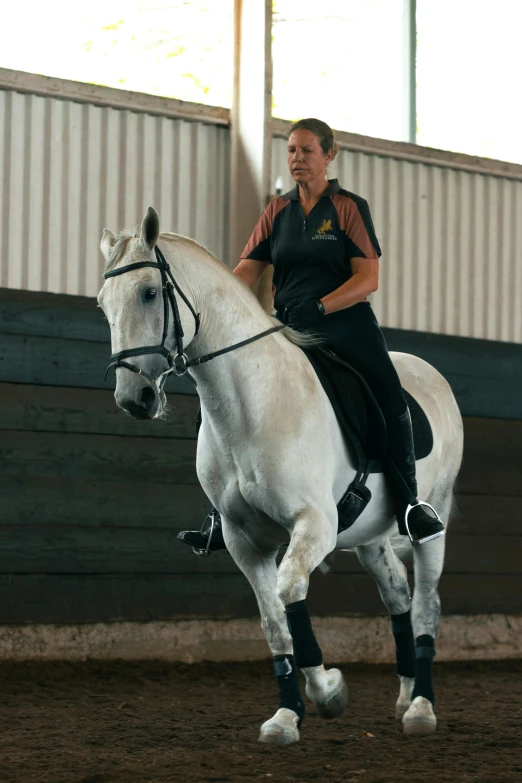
[{"x": 303, "y": 315}]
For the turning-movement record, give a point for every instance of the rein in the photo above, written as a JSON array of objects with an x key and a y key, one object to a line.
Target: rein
[{"x": 180, "y": 364}]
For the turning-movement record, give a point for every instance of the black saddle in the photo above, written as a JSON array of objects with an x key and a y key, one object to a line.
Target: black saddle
[{"x": 363, "y": 425}]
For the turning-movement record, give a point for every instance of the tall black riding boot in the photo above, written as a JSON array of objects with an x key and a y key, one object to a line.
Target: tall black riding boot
[
  {"x": 423, "y": 526},
  {"x": 209, "y": 538}
]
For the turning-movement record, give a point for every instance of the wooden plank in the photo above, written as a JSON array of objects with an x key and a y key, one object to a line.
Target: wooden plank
[
  {"x": 484, "y": 515},
  {"x": 62, "y": 409},
  {"x": 465, "y": 554},
  {"x": 470, "y": 554},
  {"x": 84, "y": 598},
  {"x": 50, "y": 548},
  {"x": 55, "y": 362},
  {"x": 485, "y": 375},
  {"x": 113, "y": 458},
  {"x": 55, "y": 500},
  {"x": 52, "y": 315},
  {"x": 492, "y": 458},
  {"x": 71, "y": 501},
  {"x": 68, "y": 549},
  {"x": 464, "y": 356},
  {"x": 65, "y": 599}
]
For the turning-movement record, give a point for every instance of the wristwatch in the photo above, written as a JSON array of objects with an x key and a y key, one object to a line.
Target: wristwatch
[{"x": 320, "y": 306}]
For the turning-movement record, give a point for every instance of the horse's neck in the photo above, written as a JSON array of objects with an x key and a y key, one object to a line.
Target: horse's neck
[{"x": 230, "y": 383}]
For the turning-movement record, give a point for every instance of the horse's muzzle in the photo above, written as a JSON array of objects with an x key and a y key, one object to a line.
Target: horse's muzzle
[{"x": 144, "y": 407}]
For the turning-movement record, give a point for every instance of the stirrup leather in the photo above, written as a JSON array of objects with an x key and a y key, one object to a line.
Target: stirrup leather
[{"x": 426, "y": 538}]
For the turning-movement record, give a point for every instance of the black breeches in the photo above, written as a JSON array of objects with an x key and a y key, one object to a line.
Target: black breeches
[{"x": 355, "y": 336}]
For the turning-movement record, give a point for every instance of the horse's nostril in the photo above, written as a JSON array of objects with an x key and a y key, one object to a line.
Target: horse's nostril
[{"x": 147, "y": 397}]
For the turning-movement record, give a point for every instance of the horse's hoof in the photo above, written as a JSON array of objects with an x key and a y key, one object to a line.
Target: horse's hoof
[
  {"x": 400, "y": 708},
  {"x": 281, "y": 729},
  {"x": 419, "y": 718},
  {"x": 330, "y": 702},
  {"x": 404, "y": 700}
]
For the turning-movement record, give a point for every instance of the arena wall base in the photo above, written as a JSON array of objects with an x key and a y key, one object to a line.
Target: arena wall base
[{"x": 343, "y": 640}]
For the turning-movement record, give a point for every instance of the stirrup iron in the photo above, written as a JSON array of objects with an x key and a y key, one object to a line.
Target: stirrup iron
[
  {"x": 206, "y": 552},
  {"x": 426, "y": 538}
]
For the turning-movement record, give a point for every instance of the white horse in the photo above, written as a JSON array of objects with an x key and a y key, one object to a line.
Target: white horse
[{"x": 271, "y": 457}]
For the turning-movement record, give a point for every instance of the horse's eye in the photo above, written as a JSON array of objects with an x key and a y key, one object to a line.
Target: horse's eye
[{"x": 150, "y": 294}]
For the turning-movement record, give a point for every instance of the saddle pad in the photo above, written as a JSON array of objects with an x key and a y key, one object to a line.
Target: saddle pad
[{"x": 358, "y": 412}]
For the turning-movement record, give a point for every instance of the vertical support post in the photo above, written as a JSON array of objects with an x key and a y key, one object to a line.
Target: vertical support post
[
  {"x": 251, "y": 128},
  {"x": 410, "y": 70}
]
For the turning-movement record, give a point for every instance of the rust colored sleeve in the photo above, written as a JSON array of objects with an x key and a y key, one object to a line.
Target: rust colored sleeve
[
  {"x": 356, "y": 221},
  {"x": 258, "y": 246}
]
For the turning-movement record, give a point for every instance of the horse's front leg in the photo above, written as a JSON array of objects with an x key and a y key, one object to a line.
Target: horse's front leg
[
  {"x": 313, "y": 537},
  {"x": 260, "y": 568}
]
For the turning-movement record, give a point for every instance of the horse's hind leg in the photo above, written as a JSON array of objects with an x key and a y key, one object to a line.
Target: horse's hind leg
[
  {"x": 313, "y": 537},
  {"x": 428, "y": 561},
  {"x": 382, "y": 563}
]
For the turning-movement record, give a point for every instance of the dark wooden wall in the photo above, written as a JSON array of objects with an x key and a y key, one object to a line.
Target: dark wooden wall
[{"x": 91, "y": 501}]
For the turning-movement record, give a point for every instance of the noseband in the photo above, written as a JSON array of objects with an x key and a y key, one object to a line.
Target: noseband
[{"x": 179, "y": 365}]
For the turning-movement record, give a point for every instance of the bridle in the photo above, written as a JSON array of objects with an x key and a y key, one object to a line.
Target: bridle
[{"x": 179, "y": 364}]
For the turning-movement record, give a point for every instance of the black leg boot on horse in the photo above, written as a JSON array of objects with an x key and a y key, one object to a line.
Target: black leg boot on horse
[
  {"x": 209, "y": 538},
  {"x": 416, "y": 518}
]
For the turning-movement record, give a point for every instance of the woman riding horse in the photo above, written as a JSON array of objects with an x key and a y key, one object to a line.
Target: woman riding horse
[{"x": 321, "y": 241}]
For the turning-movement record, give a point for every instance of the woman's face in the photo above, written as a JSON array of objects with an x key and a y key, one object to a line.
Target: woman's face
[{"x": 306, "y": 160}]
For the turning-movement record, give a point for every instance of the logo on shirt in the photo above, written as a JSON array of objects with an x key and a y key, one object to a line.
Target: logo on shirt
[
  {"x": 327, "y": 226},
  {"x": 325, "y": 232}
]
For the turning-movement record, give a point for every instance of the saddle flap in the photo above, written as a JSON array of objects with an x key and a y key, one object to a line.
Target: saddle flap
[{"x": 355, "y": 406}]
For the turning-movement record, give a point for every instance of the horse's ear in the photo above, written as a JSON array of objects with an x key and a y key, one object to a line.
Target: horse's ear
[
  {"x": 107, "y": 243},
  {"x": 150, "y": 229}
]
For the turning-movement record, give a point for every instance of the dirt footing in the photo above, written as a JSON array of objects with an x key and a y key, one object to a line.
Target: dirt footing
[{"x": 141, "y": 722}]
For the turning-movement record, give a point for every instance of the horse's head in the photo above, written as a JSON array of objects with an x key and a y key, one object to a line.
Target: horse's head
[{"x": 149, "y": 316}]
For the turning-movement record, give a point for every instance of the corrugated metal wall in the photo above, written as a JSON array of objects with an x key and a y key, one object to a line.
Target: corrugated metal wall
[
  {"x": 68, "y": 169},
  {"x": 451, "y": 241}
]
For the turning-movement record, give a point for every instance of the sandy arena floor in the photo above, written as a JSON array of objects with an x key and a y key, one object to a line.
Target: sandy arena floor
[{"x": 138, "y": 723}]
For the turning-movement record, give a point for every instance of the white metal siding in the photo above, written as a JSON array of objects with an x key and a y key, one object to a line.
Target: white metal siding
[
  {"x": 451, "y": 239},
  {"x": 451, "y": 242},
  {"x": 68, "y": 169}
]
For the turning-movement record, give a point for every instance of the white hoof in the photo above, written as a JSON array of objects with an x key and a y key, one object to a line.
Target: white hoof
[
  {"x": 404, "y": 700},
  {"x": 329, "y": 693},
  {"x": 419, "y": 718},
  {"x": 281, "y": 729}
]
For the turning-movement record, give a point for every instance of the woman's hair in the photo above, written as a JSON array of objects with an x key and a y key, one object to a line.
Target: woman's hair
[{"x": 320, "y": 129}]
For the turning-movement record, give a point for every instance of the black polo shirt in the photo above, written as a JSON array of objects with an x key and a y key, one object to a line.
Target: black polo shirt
[{"x": 311, "y": 256}]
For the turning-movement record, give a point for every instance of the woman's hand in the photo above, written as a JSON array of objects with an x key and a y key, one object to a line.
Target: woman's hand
[{"x": 303, "y": 315}]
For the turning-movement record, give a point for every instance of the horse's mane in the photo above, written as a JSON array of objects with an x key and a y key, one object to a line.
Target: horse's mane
[{"x": 120, "y": 248}]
